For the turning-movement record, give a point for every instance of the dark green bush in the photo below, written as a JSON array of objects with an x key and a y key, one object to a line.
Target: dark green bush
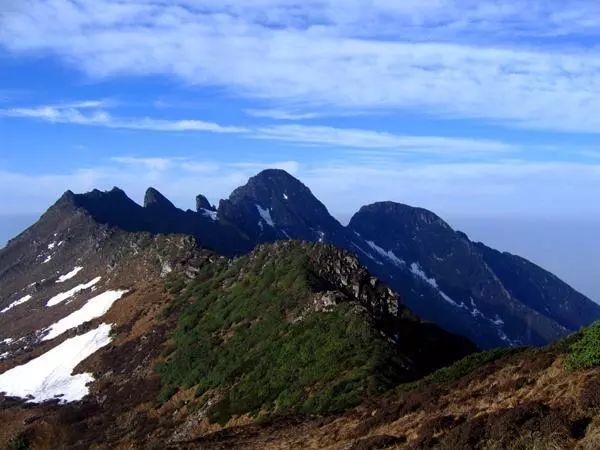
[
  {"x": 244, "y": 330},
  {"x": 585, "y": 351}
]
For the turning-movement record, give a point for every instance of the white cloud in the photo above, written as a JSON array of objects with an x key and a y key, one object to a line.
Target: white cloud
[
  {"x": 300, "y": 134},
  {"x": 367, "y": 139},
  {"x": 280, "y": 114},
  {"x": 157, "y": 164},
  {"x": 77, "y": 114},
  {"x": 315, "y": 54}
]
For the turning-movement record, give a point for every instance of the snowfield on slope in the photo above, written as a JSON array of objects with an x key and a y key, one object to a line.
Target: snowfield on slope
[
  {"x": 71, "y": 292},
  {"x": 69, "y": 275},
  {"x": 49, "y": 375},
  {"x": 95, "y": 307},
  {"x": 265, "y": 214},
  {"x": 16, "y": 303}
]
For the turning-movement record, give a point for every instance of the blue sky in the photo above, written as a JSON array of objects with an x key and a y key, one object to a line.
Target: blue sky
[{"x": 487, "y": 109}]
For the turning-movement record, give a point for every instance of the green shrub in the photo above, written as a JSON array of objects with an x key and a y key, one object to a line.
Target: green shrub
[
  {"x": 585, "y": 352},
  {"x": 245, "y": 331}
]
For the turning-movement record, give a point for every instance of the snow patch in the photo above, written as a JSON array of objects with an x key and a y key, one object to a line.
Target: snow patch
[
  {"x": 48, "y": 258},
  {"x": 208, "y": 213},
  {"x": 51, "y": 245},
  {"x": 285, "y": 197},
  {"x": 387, "y": 254},
  {"x": 69, "y": 275},
  {"x": 58, "y": 298},
  {"x": 16, "y": 303},
  {"x": 49, "y": 376},
  {"x": 367, "y": 254},
  {"x": 95, "y": 307},
  {"x": 416, "y": 270},
  {"x": 7, "y": 341},
  {"x": 265, "y": 214}
]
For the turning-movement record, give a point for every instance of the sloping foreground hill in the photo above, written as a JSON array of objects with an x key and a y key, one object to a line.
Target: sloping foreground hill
[
  {"x": 543, "y": 398},
  {"x": 194, "y": 341}
]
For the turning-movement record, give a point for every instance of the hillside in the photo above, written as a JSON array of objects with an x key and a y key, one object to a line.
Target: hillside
[{"x": 509, "y": 399}]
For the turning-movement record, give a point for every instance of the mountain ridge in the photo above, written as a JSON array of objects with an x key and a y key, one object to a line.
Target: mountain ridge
[{"x": 468, "y": 288}]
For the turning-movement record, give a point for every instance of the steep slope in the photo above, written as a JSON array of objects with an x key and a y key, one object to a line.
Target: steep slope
[
  {"x": 476, "y": 290},
  {"x": 540, "y": 289},
  {"x": 274, "y": 205}
]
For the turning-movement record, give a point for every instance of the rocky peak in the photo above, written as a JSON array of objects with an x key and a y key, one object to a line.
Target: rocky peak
[
  {"x": 397, "y": 215},
  {"x": 154, "y": 199},
  {"x": 274, "y": 202},
  {"x": 202, "y": 203}
]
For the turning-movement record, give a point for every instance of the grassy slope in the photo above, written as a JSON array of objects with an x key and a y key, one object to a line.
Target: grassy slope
[{"x": 237, "y": 334}]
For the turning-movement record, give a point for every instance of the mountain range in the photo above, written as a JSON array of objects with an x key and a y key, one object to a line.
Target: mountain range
[
  {"x": 265, "y": 323},
  {"x": 491, "y": 297}
]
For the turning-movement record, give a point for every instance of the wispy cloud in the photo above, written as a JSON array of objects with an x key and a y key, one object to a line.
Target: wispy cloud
[
  {"x": 367, "y": 139},
  {"x": 85, "y": 113},
  {"x": 415, "y": 56},
  {"x": 280, "y": 114}
]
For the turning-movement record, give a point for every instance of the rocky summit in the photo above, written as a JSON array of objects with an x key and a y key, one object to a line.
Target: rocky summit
[{"x": 265, "y": 323}]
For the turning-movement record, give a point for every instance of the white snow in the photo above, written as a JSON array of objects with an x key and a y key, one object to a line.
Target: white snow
[
  {"x": 208, "y": 213},
  {"x": 415, "y": 268},
  {"x": 49, "y": 376},
  {"x": 286, "y": 235},
  {"x": 321, "y": 235},
  {"x": 4, "y": 355},
  {"x": 48, "y": 258},
  {"x": 71, "y": 292},
  {"x": 387, "y": 254},
  {"x": 7, "y": 341},
  {"x": 69, "y": 275},
  {"x": 285, "y": 197},
  {"x": 16, "y": 303},
  {"x": 51, "y": 245},
  {"x": 367, "y": 254},
  {"x": 95, "y": 307},
  {"x": 265, "y": 214}
]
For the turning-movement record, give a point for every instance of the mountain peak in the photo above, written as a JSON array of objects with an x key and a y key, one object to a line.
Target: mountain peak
[
  {"x": 203, "y": 203},
  {"x": 400, "y": 213},
  {"x": 154, "y": 199}
]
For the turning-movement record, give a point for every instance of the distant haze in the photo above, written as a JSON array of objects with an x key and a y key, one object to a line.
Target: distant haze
[{"x": 569, "y": 249}]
